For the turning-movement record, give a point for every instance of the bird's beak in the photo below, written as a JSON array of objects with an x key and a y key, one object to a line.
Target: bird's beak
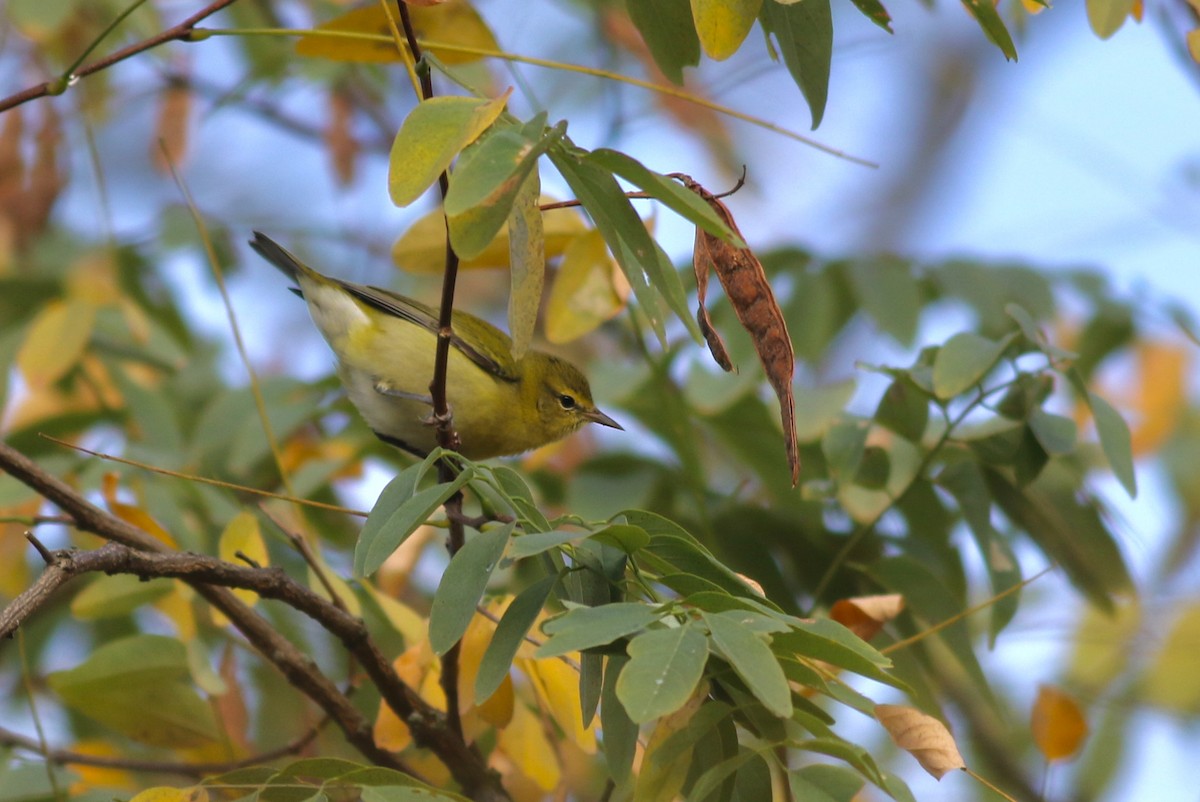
[{"x": 596, "y": 416}]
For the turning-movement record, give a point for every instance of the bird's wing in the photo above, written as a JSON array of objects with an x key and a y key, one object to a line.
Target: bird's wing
[{"x": 477, "y": 345}]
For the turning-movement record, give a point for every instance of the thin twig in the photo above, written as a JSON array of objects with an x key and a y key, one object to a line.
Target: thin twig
[{"x": 181, "y": 32}]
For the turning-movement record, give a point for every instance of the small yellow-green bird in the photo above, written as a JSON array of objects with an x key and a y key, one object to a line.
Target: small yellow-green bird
[{"x": 384, "y": 343}]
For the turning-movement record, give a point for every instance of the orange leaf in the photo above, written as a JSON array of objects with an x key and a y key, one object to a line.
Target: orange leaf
[
  {"x": 130, "y": 514},
  {"x": 339, "y": 137},
  {"x": 922, "y": 736},
  {"x": 866, "y": 615},
  {"x": 1161, "y": 394},
  {"x": 1057, "y": 723},
  {"x": 170, "y": 145}
]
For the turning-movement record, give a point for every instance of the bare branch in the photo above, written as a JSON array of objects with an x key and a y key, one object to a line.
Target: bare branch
[{"x": 180, "y": 32}]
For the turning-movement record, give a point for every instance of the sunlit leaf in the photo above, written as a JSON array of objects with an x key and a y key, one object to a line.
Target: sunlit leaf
[
  {"x": 1107, "y": 16},
  {"x": 527, "y": 250},
  {"x": 55, "y": 341},
  {"x": 432, "y": 135},
  {"x": 454, "y": 22},
  {"x": 242, "y": 536},
  {"x": 586, "y": 291},
  {"x": 524, "y": 741},
  {"x": 722, "y": 25}
]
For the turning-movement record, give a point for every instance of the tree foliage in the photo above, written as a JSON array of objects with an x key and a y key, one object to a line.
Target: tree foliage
[{"x": 693, "y": 610}]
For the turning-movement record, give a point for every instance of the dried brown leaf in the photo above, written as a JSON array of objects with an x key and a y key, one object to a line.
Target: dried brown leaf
[
  {"x": 922, "y": 736},
  {"x": 750, "y": 294},
  {"x": 339, "y": 138},
  {"x": 1057, "y": 723},
  {"x": 866, "y": 615},
  {"x": 172, "y": 130}
]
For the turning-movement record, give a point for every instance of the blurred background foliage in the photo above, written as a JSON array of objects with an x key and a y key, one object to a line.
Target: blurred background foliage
[{"x": 113, "y": 337}]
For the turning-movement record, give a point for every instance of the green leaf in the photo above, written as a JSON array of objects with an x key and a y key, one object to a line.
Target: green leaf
[
  {"x": 619, "y": 224},
  {"x": 1055, "y": 432},
  {"x": 888, "y": 292},
  {"x": 1172, "y": 682},
  {"x": 406, "y": 793},
  {"x": 462, "y": 586},
  {"x": 804, "y": 34},
  {"x": 510, "y": 634},
  {"x": 904, "y": 409},
  {"x": 434, "y": 132},
  {"x": 625, "y": 537},
  {"x": 535, "y": 543},
  {"x": 963, "y": 362},
  {"x": 1107, "y": 16},
  {"x": 928, "y": 598},
  {"x": 821, "y": 782},
  {"x": 843, "y": 445},
  {"x": 664, "y": 668},
  {"x": 875, "y": 12},
  {"x": 670, "y": 192},
  {"x": 138, "y": 686},
  {"x": 620, "y": 732},
  {"x": 828, "y": 641},
  {"x": 527, "y": 263},
  {"x": 666, "y": 27},
  {"x": 588, "y": 627},
  {"x": 985, "y": 13},
  {"x": 487, "y": 178},
  {"x": 398, "y": 513},
  {"x": 752, "y": 659},
  {"x": 873, "y": 469},
  {"x": 964, "y": 480},
  {"x": 117, "y": 595},
  {"x": 715, "y": 775},
  {"x": 1115, "y": 441}
]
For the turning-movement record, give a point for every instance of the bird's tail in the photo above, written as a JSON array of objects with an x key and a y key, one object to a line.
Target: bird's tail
[{"x": 283, "y": 261}]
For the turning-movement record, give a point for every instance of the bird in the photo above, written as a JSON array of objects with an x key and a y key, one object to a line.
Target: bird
[{"x": 385, "y": 344}]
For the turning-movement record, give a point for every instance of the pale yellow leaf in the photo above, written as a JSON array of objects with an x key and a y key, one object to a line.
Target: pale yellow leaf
[
  {"x": 164, "y": 794},
  {"x": 722, "y": 25},
  {"x": 1172, "y": 681},
  {"x": 588, "y": 290},
  {"x": 242, "y": 534},
  {"x": 556, "y": 685},
  {"x": 451, "y": 23},
  {"x": 343, "y": 591},
  {"x": 403, "y": 618},
  {"x": 659, "y": 780},
  {"x": 527, "y": 263},
  {"x": 422, "y": 248},
  {"x": 1057, "y": 723},
  {"x": 55, "y": 341},
  {"x": 922, "y": 736},
  {"x": 1107, "y": 16},
  {"x": 177, "y": 606},
  {"x": 524, "y": 741}
]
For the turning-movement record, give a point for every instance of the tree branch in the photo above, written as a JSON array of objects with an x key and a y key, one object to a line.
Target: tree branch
[
  {"x": 132, "y": 551},
  {"x": 180, "y": 32}
]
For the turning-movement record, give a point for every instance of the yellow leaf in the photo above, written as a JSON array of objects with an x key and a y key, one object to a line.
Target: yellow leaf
[
  {"x": 131, "y": 514},
  {"x": 1057, "y": 723},
  {"x": 55, "y": 342},
  {"x": 422, "y": 249},
  {"x": 527, "y": 263},
  {"x": 722, "y": 25},
  {"x": 660, "y": 781},
  {"x": 414, "y": 669},
  {"x": 524, "y": 741},
  {"x": 556, "y": 686},
  {"x": 453, "y": 23},
  {"x": 922, "y": 736},
  {"x": 92, "y": 777},
  {"x": 403, "y": 618},
  {"x": 340, "y": 587},
  {"x": 93, "y": 280},
  {"x": 164, "y": 794},
  {"x": 1161, "y": 394},
  {"x": 177, "y": 606},
  {"x": 588, "y": 290},
  {"x": 497, "y": 709},
  {"x": 242, "y": 534},
  {"x": 1172, "y": 680},
  {"x": 1102, "y": 645}
]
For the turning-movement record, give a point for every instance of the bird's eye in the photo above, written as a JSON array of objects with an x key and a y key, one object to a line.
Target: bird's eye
[{"x": 566, "y": 401}]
